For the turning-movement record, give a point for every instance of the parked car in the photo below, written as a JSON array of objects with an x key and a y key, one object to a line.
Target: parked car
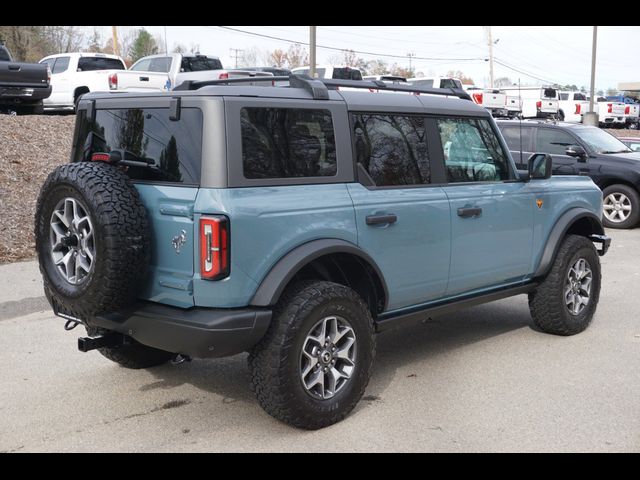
[
  {"x": 610, "y": 114},
  {"x": 572, "y": 106},
  {"x": 493, "y": 100},
  {"x": 588, "y": 151},
  {"x": 74, "y": 74},
  {"x": 332, "y": 72},
  {"x": 632, "y": 142},
  {"x": 296, "y": 224},
  {"x": 23, "y": 86},
  {"x": 537, "y": 102},
  {"x": 164, "y": 72},
  {"x": 631, "y": 109},
  {"x": 435, "y": 82}
]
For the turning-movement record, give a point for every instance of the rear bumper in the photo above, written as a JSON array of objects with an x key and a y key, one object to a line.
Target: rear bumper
[
  {"x": 604, "y": 241},
  {"x": 197, "y": 332},
  {"x": 23, "y": 95}
]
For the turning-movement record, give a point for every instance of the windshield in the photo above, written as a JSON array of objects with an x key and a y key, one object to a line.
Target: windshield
[{"x": 600, "y": 141}]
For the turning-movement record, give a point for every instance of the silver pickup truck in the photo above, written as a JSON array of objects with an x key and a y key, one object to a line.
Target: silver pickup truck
[
  {"x": 166, "y": 71},
  {"x": 23, "y": 86}
]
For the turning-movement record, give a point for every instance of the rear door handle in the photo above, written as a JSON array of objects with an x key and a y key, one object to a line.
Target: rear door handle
[
  {"x": 144, "y": 79},
  {"x": 381, "y": 219},
  {"x": 15, "y": 68},
  {"x": 469, "y": 212}
]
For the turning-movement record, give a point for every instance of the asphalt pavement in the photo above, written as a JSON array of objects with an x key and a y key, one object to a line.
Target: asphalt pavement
[{"x": 480, "y": 380}]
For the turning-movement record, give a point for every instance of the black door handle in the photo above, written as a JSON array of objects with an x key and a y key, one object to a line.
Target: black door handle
[
  {"x": 381, "y": 219},
  {"x": 144, "y": 79},
  {"x": 469, "y": 212},
  {"x": 15, "y": 68}
]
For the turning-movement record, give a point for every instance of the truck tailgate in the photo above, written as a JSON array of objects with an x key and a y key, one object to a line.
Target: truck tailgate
[
  {"x": 130, "y": 81},
  {"x": 548, "y": 106},
  {"x": 494, "y": 99},
  {"x": 28, "y": 75}
]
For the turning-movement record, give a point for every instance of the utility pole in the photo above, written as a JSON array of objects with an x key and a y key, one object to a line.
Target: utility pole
[
  {"x": 116, "y": 47},
  {"x": 312, "y": 52},
  {"x": 490, "y": 40},
  {"x": 166, "y": 50},
  {"x": 591, "y": 117},
  {"x": 410, "y": 55},
  {"x": 237, "y": 55}
]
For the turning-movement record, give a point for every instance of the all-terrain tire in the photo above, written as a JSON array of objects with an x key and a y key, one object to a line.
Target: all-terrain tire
[
  {"x": 132, "y": 355},
  {"x": 121, "y": 238},
  {"x": 275, "y": 361},
  {"x": 548, "y": 303},
  {"x": 620, "y": 191}
]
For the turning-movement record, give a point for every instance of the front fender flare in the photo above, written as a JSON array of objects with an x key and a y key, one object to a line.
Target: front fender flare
[
  {"x": 285, "y": 269},
  {"x": 558, "y": 232}
]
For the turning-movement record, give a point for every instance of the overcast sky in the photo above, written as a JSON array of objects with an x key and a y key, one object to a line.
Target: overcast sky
[{"x": 552, "y": 54}]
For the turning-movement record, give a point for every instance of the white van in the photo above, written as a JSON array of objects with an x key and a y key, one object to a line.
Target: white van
[{"x": 537, "y": 102}]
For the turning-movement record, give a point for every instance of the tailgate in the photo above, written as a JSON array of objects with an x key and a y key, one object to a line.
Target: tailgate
[
  {"x": 514, "y": 104},
  {"x": 31, "y": 75},
  {"x": 548, "y": 106},
  {"x": 494, "y": 100},
  {"x": 130, "y": 81}
]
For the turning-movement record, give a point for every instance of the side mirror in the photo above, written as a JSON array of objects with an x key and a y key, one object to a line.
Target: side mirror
[
  {"x": 576, "y": 151},
  {"x": 540, "y": 166}
]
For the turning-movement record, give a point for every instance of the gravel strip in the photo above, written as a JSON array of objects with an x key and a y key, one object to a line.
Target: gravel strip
[{"x": 30, "y": 147}]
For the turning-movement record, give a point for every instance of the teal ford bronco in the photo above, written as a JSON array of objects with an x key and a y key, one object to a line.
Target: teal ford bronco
[{"x": 296, "y": 222}]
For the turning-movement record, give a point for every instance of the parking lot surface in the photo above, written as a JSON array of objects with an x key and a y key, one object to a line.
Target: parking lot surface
[{"x": 480, "y": 380}]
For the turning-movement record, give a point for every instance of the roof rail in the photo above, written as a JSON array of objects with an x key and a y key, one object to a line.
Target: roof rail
[{"x": 319, "y": 87}]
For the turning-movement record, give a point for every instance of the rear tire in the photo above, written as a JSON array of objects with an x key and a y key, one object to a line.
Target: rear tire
[
  {"x": 554, "y": 305},
  {"x": 298, "y": 379},
  {"x": 621, "y": 207}
]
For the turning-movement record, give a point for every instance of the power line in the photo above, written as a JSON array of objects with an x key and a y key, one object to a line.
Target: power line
[
  {"x": 528, "y": 74},
  {"x": 360, "y": 52}
]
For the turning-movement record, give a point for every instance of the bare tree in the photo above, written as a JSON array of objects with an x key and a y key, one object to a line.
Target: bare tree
[
  {"x": 278, "y": 58},
  {"x": 179, "y": 48},
  {"x": 297, "y": 56}
]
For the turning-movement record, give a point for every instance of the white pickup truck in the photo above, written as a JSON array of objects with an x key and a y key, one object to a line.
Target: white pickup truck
[
  {"x": 572, "y": 106},
  {"x": 610, "y": 113},
  {"x": 631, "y": 109},
  {"x": 536, "y": 102},
  {"x": 74, "y": 74},
  {"x": 493, "y": 100},
  {"x": 165, "y": 72}
]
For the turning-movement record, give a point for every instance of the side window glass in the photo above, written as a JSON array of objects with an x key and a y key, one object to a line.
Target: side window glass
[
  {"x": 392, "y": 148},
  {"x": 61, "y": 65},
  {"x": 553, "y": 141}
]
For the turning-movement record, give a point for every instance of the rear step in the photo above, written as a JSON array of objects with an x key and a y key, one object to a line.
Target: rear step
[{"x": 86, "y": 344}]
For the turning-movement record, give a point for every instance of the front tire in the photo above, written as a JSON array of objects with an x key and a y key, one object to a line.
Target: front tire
[
  {"x": 313, "y": 365},
  {"x": 565, "y": 302},
  {"x": 621, "y": 207}
]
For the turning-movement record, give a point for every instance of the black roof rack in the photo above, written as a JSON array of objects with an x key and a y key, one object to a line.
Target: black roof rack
[{"x": 319, "y": 88}]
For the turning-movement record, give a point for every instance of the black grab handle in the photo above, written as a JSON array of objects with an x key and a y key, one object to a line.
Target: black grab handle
[
  {"x": 381, "y": 219},
  {"x": 469, "y": 212}
]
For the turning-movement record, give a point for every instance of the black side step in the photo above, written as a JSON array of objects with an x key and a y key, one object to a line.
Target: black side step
[
  {"x": 434, "y": 310},
  {"x": 86, "y": 344}
]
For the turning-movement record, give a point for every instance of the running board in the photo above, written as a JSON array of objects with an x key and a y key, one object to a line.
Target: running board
[{"x": 443, "y": 308}]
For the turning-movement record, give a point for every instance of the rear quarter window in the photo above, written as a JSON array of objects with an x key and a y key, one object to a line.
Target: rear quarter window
[{"x": 172, "y": 150}]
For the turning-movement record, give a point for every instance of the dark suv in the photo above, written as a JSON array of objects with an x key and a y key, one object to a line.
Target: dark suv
[
  {"x": 583, "y": 150},
  {"x": 295, "y": 223}
]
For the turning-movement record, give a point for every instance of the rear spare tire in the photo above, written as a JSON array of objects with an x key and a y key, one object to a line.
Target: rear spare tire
[{"x": 92, "y": 239}]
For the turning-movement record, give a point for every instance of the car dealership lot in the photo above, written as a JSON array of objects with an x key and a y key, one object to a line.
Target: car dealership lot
[{"x": 482, "y": 380}]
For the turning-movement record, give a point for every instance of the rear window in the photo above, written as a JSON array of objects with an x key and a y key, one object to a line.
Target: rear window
[
  {"x": 200, "y": 64},
  {"x": 564, "y": 96},
  {"x": 87, "y": 64},
  {"x": 61, "y": 65},
  {"x": 346, "y": 74},
  {"x": 4, "y": 55},
  {"x": 549, "y": 93},
  {"x": 422, "y": 83},
  {"x": 450, "y": 83},
  {"x": 287, "y": 143},
  {"x": 579, "y": 96},
  {"x": 171, "y": 149},
  {"x": 159, "y": 64}
]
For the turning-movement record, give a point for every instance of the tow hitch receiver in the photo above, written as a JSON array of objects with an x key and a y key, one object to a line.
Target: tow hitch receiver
[{"x": 86, "y": 344}]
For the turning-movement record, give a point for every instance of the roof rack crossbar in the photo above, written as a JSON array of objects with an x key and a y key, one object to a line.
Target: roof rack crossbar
[{"x": 319, "y": 88}]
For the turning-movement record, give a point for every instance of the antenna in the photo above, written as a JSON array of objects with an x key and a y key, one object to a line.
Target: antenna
[{"x": 520, "y": 118}]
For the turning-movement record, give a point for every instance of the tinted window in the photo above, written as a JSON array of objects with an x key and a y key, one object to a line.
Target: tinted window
[
  {"x": 512, "y": 137},
  {"x": 553, "y": 141},
  {"x": 423, "y": 83},
  {"x": 579, "y": 96},
  {"x": 49, "y": 62},
  {"x": 61, "y": 65},
  {"x": 172, "y": 149},
  {"x": 564, "y": 96},
  {"x": 346, "y": 74},
  {"x": 450, "y": 83},
  {"x": 142, "y": 65},
  {"x": 392, "y": 148},
  {"x": 4, "y": 55},
  {"x": 200, "y": 64},
  {"x": 162, "y": 64},
  {"x": 287, "y": 143},
  {"x": 549, "y": 93},
  {"x": 86, "y": 64},
  {"x": 472, "y": 151}
]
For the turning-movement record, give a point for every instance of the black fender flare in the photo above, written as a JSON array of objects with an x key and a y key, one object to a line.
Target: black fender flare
[
  {"x": 285, "y": 269},
  {"x": 558, "y": 232}
]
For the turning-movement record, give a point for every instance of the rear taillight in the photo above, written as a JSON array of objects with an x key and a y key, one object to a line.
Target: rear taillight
[
  {"x": 539, "y": 104},
  {"x": 609, "y": 107},
  {"x": 214, "y": 247},
  {"x": 578, "y": 109},
  {"x": 223, "y": 76},
  {"x": 627, "y": 109},
  {"x": 113, "y": 81},
  {"x": 477, "y": 97},
  {"x": 48, "y": 75}
]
